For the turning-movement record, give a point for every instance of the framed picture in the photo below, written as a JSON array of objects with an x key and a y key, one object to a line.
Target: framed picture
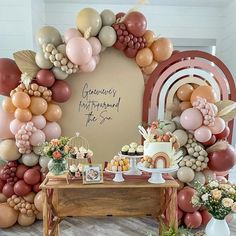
[{"x": 92, "y": 174}]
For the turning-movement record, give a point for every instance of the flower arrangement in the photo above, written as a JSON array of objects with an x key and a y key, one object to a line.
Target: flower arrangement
[
  {"x": 57, "y": 149},
  {"x": 80, "y": 153},
  {"x": 218, "y": 198}
]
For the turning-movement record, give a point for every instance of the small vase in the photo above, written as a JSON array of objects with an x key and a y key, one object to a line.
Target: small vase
[
  {"x": 57, "y": 167},
  {"x": 217, "y": 228}
]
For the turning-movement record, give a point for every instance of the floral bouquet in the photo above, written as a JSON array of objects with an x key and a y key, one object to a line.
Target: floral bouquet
[{"x": 218, "y": 198}]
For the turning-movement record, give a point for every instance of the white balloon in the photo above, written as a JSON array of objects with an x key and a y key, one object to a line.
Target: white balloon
[
  {"x": 43, "y": 161},
  {"x": 30, "y": 159}
]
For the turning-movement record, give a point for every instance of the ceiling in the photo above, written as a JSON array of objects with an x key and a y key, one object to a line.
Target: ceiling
[{"x": 194, "y": 3}]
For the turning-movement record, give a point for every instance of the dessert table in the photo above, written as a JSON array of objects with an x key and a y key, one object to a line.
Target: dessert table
[{"x": 134, "y": 197}]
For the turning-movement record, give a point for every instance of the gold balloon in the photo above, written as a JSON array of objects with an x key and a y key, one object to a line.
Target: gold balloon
[
  {"x": 21, "y": 100},
  {"x": 8, "y": 216},
  {"x": 144, "y": 57},
  {"x": 149, "y": 37},
  {"x": 53, "y": 113},
  {"x": 8, "y": 106},
  {"x": 23, "y": 115},
  {"x": 38, "y": 105},
  {"x": 26, "y": 220},
  {"x": 184, "y": 92},
  {"x": 147, "y": 70},
  {"x": 162, "y": 49}
]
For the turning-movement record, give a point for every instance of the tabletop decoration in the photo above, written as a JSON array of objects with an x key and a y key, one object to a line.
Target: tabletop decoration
[
  {"x": 92, "y": 174},
  {"x": 76, "y": 171}
]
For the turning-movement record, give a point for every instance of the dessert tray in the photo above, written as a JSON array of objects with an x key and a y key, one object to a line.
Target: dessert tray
[{"x": 118, "y": 175}]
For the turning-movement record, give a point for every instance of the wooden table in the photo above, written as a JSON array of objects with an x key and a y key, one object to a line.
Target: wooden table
[{"x": 131, "y": 198}]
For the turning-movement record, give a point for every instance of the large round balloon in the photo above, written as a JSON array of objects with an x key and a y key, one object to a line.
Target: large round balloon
[
  {"x": 79, "y": 50},
  {"x": 8, "y": 216},
  {"x": 7, "y": 105},
  {"x": 185, "y": 174},
  {"x": 89, "y": 67},
  {"x": 181, "y": 136},
  {"x": 107, "y": 36},
  {"x": 32, "y": 176},
  {"x": 23, "y": 115},
  {"x": 9, "y": 76},
  {"x": 144, "y": 57},
  {"x": 39, "y": 121},
  {"x": 25, "y": 220},
  {"x": 21, "y": 100},
  {"x": 108, "y": 17},
  {"x": 206, "y": 217},
  {"x": 193, "y": 220},
  {"x": 184, "y": 92},
  {"x": 37, "y": 138},
  {"x": 71, "y": 33},
  {"x": 89, "y": 18},
  {"x": 38, "y": 201},
  {"x": 45, "y": 78},
  {"x": 52, "y": 130},
  {"x": 38, "y": 105},
  {"x": 5, "y": 120},
  {"x": 20, "y": 170},
  {"x": 191, "y": 119},
  {"x": 30, "y": 159},
  {"x": 202, "y": 134},
  {"x": 21, "y": 188},
  {"x": 61, "y": 91},
  {"x": 9, "y": 150},
  {"x": 136, "y": 23},
  {"x": 184, "y": 200},
  {"x": 53, "y": 113},
  {"x": 162, "y": 49},
  {"x": 8, "y": 190},
  {"x": 204, "y": 91}
]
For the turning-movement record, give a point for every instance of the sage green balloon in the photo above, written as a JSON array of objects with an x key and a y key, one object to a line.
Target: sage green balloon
[
  {"x": 49, "y": 34},
  {"x": 59, "y": 74},
  {"x": 41, "y": 61},
  {"x": 108, "y": 17},
  {"x": 89, "y": 17},
  {"x": 107, "y": 36}
]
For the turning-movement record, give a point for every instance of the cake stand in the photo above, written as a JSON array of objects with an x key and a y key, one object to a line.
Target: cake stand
[
  {"x": 156, "y": 177},
  {"x": 133, "y": 164},
  {"x": 118, "y": 175}
]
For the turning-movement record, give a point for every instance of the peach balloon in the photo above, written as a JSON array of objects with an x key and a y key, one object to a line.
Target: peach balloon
[
  {"x": 184, "y": 92},
  {"x": 204, "y": 91},
  {"x": 38, "y": 105},
  {"x": 162, "y": 49},
  {"x": 149, "y": 37},
  {"x": 38, "y": 201},
  {"x": 3, "y": 198},
  {"x": 144, "y": 57},
  {"x": 53, "y": 112},
  {"x": 5, "y": 120},
  {"x": 147, "y": 70},
  {"x": 8, "y": 106},
  {"x": 185, "y": 105},
  {"x": 21, "y": 100},
  {"x": 26, "y": 220},
  {"x": 23, "y": 115},
  {"x": 8, "y": 216}
]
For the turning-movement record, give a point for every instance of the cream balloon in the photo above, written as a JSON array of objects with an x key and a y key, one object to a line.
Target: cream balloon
[
  {"x": 30, "y": 159},
  {"x": 9, "y": 150},
  {"x": 43, "y": 161},
  {"x": 181, "y": 136},
  {"x": 185, "y": 174},
  {"x": 25, "y": 220},
  {"x": 41, "y": 61},
  {"x": 8, "y": 216},
  {"x": 38, "y": 201}
]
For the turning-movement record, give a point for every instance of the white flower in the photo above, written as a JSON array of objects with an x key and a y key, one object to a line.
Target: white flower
[
  {"x": 233, "y": 207},
  {"x": 82, "y": 149},
  {"x": 80, "y": 167},
  {"x": 227, "y": 202},
  {"x": 205, "y": 197},
  {"x": 73, "y": 168},
  {"x": 214, "y": 184},
  {"x": 231, "y": 191}
]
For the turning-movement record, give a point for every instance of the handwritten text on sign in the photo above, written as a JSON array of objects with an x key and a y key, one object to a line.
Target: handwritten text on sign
[{"x": 98, "y": 104}]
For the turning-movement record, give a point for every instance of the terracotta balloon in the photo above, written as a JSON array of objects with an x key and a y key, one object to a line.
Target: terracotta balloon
[
  {"x": 38, "y": 201},
  {"x": 32, "y": 176},
  {"x": 21, "y": 188},
  {"x": 136, "y": 23},
  {"x": 21, "y": 100},
  {"x": 131, "y": 52},
  {"x": 9, "y": 76},
  {"x": 120, "y": 46},
  {"x": 8, "y": 106},
  {"x": 53, "y": 113},
  {"x": 45, "y": 78},
  {"x": 2, "y": 183},
  {"x": 184, "y": 200},
  {"x": 184, "y": 92},
  {"x": 8, "y": 216},
  {"x": 36, "y": 188},
  {"x": 147, "y": 70},
  {"x": 185, "y": 105},
  {"x": 8, "y": 190},
  {"x": 5, "y": 119},
  {"x": 20, "y": 170},
  {"x": 193, "y": 220},
  {"x": 149, "y": 37},
  {"x": 162, "y": 49},
  {"x": 144, "y": 57},
  {"x": 204, "y": 91},
  {"x": 61, "y": 91},
  {"x": 3, "y": 198},
  {"x": 119, "y": 15},
  {"x": 26, "y": 220},
  {"x": 38, "y": 106},
  {"x": 23, "y": 115}
]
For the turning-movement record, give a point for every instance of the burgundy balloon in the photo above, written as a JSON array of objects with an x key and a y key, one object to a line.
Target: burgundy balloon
[
  {"x": 45, "y": 78},
  {"x": 119, "y": 15},
  {"x": 224, "y": 134},
  {"x": 61, "y": 91},
  {"x": 21, "y": 188},
  {"x": 32, "y": 176},
  {"x": 130, "y": 52},
  {"x": 193, "y": 220},
  {"x": 120, "y": 46},
  {"x": 2, "y": 175},
  {"x": 20, "y": 170},
  {"x": 36, "y": 188},
  {"x": 136, "y": 23},
  {"x": 211, "y": 141},
  {"x": 8, "y": 190},
  {"x": 9, "y": 76},
  {"x": 206, "y": 216},
  {"x": 2, "y": 183}
]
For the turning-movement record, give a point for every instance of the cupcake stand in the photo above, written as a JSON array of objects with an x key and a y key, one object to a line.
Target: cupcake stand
[
  {"x": 156, "y": 177},
  {"x": 133, "y": 164},
  {"x": 118, "y": 175}
]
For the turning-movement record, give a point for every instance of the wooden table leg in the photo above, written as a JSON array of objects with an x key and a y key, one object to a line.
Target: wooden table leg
[{"x": 45, "y": 213}]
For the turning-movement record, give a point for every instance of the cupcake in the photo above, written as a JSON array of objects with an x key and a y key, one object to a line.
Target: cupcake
[
  {"x": 139, "y": 150},
  {"x": 133, "y": 145},
  {"x": 131, "y": 152},
  {"x": 125, "y": 149}
]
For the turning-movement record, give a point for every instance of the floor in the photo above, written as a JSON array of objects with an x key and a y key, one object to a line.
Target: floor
[{"x": 97, "y": 227}]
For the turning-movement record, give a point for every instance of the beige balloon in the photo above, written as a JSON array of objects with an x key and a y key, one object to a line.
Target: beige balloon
[
  {"x": 49, "y": 34},
  {"x": 3, "y": 198},
  {"x": 89, "y": 18},
  {"x": 39, "y": 216},
  {"x": 38, "y": 201},
  {"x": 30, "y": 197},
  {"x": 181, "y": 136},
  {"x": 9, "y": 150},
  {"x": 59, "y": 74},
  {"x": 107, "y": 36},
  {"x": 41, "y": 61},
  {"x": 25, "y": 220},
  {"x": 8, "y": 216},
  {"x": 185, "y": 174},
  {"x": 108, "y": 17}
]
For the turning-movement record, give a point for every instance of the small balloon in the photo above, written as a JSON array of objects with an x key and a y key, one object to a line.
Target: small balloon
[
  {"x": 39, "y": 121},
  {"x": 15, "y": 125},
  {"x": 202, "y": 134},
  {"x": 45, "y": 78},
  {"x": 108, "y": 17},
  {"x": 184, "y": 92},
  {"x": 147, "y": 70},
  {"x": 37, "y": 138},
  {"x": 61, "y": 91},
  {"x": 41, "y": 61},
  {"x": 23, "y": 115},
  {"x": 149, "y": 37},
  {"x": 59, "y": 74},
  {"x": 219, "y": 126},
  {"x": 185, "y": 105},
  {"x": 144, "y": 57},
  {"x": 193, "y": 220}
]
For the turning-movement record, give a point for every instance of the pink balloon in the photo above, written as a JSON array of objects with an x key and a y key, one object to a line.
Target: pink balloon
[
  {"x": 52, "y": 130},
  {"x": 39, "y": 121},
  {"x": 97, "y": 58},
  {"x": 5, "y": 120},
  {"x": 37, "y": 138},
  {"x": 71, "y": 33},
  {"x": 202, "y": 134},
  {"x": 89, "y": 67},
  {"x": 96, "y": 45},
  {"x": 219, "y": 126},
  {"x": 15, "y": 125},
  {"x": 79, "y": 50},
  {"x": 191, "y": 119}
]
